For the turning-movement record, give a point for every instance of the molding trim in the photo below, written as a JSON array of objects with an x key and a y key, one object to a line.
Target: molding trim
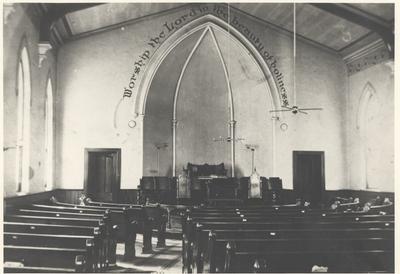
[
  {"x": 43, "y": 48},
  {"x": 366, "y": 50},
  {"x": 367, "y": 56}
]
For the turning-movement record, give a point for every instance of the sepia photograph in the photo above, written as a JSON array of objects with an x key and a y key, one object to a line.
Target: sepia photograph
[{"x": 198, "y": 137}]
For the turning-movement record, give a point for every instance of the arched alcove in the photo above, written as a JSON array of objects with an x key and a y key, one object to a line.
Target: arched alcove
[
  {"x": 157, "y": 123},
  {"x": 180, "y": 35},
  {"x": 369, "y": 126},
  {"x": 203, "y": 86},
  {"x": 203, "y": 106}
]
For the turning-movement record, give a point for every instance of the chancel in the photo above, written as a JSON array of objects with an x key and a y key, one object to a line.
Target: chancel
[{"x": 198, "y": 137}]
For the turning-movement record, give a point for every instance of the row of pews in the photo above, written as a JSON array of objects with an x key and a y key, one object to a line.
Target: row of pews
[
  {"x": 287, "y": 239},
  {"x": 62, "y": 237}
]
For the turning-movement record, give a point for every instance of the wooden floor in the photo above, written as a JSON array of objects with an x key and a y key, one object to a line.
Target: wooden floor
[{"x": 163, "y": 260}]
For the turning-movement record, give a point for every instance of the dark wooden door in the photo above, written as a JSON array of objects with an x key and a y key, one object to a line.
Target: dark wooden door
[
  {"x": 102, "y": 174},
  {"x": 309, "y": 176}
]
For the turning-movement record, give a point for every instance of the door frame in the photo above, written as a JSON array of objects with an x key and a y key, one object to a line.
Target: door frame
[
  {"x": 296, "y": 154},
  {"x": 116, "y": 152}
]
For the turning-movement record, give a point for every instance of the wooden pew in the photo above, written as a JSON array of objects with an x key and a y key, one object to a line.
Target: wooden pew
[
  {"x": 189, "y": 227},
  {"x": 136, "y": 219},
  {"x": 281, "y": 210},
  {"x": 299, "y": 212},
  {"x": 385, "y": 208},
  {"x": 124, "y": 232},
  {"x": 108, "y": 246},
  {"x": 53, "y": 220},
  {"x": 190, "y": 237},
  {"x": 260, "y": 218},
  {"x": 379, "y": 221},
  {"x": 132, "y": 220},
  {"x": 201, "y": 242},
  {"x": 34, "y": 247},
  {"x": 157, "y": 216},
  {"x": 68, "y": 259},
  {"x": 60, "y": 213},
  {"x": 15, "y": 240},
  {"x": 98, "y": 234},
  {"x": 49, "y": 228},
  {"x": 288, "y": 223},
  {"x": 339, "y": 255},
  {"x": 151, "y": 216},
  {"x": 67, "y": 208},
  {"x": 277, "y": 239},
  {"x": 117, "y": 217}
]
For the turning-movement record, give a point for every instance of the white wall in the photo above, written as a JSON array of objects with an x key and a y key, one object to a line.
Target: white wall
[
  {"x": 21, "y": 28},
  {"x": 93, "y": 72},
  {"x": 92, "y": 75},
  {"x": 378, "y": 147}
]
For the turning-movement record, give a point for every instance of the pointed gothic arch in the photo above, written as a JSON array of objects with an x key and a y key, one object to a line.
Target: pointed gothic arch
[
  {"x": 367, "y": 95},
  {"x": 181, "y": 34},
  {"x": 208, "y": 24}
]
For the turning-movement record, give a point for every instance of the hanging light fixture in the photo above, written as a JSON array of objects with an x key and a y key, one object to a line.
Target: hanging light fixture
[{"x": 294, "y": 108}]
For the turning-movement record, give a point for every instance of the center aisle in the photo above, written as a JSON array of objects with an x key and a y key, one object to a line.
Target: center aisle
[{"x": 162, "y": 260}]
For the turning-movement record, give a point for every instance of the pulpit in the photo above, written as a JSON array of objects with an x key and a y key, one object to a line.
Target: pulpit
[
  {"x": 207, "y": 184},
  {"x": 270, "y": 190}
]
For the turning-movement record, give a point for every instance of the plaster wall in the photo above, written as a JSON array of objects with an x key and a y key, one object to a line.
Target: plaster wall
[
  {"x": 371, "y": 131},
  {"x": 93, "y": 72},
  {"x": 21, "y": 28}
]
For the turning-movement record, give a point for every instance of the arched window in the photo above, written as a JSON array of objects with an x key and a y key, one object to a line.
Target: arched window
[
  {"x": 23, "y": 122},
  {"x": 49, "y": 135}
]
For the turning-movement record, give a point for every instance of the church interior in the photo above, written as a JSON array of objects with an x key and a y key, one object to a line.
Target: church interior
[{"x": 198, "y": 137}]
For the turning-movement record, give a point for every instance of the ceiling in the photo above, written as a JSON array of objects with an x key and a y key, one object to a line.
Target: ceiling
[{"x": 343, "y": 28}]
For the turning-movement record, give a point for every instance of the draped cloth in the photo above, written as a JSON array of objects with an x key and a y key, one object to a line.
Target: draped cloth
[{"x": 255, "y": 186}]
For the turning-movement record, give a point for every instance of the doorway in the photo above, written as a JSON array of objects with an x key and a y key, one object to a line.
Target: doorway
[
  {"x": 102, "y": 173},
  {"x": 309, "y": 176}
]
